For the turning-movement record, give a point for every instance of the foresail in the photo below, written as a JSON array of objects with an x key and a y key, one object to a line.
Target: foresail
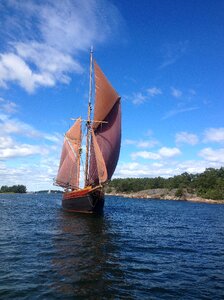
[
  {"x": 69, "y": 168},
  {"x": 67, "y": 173}
]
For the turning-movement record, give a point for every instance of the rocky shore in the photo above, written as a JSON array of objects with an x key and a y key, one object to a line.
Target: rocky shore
[{"x": 165, "y": 194}]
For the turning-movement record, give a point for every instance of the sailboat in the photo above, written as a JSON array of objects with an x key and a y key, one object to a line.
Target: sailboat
[{"x": 103, "y": 140}]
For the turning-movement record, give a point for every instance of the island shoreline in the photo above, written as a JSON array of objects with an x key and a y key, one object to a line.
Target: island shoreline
[{"x": 163, "y": 194}]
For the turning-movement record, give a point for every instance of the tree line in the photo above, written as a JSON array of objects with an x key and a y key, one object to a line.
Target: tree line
[
  {"x": 209, "y": 184},
  {"x": 13, "y": 189}
]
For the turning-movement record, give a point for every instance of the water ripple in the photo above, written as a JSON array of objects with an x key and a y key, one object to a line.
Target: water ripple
[{"x": 139, "y": 249}]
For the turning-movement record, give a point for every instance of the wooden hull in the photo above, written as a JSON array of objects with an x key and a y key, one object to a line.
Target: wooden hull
[{"x": 87, "y": 200}]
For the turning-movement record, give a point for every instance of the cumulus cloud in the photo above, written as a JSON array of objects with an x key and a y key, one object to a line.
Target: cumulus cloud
[
  {"x": 13, "y": 68},
  {"x": 131, "y": 170},
  {"x": 42, "y": 173},
  {"x": 42, "y": 167},
  {"x": 163, "y": 169},
  {"x": 5, "y": 142},
  {"x": 11, "y": 128},
  {"x": 141, "y": 143},
  {"x": 162, "y": 153},
  {"x": 21, "y": 150},
  {"x": 145, "y": 155},
  {"x": 213, "y": 155},
  {"x": 214, "y": 135},
  {"x": 186, "y": 138},
  {"x": 146, "y": 170},
  {"x": 49, "y": 35},
  {"x": 169, "y": 152}
]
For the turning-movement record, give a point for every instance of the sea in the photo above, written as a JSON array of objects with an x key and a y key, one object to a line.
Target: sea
[{"x": 138, "y": 249}]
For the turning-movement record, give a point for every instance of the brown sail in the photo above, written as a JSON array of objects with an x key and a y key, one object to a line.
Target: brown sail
[
  {"x": 107, "y": 126},
  {"x": 105, "y": 96},
  {"x": 69, "y": 168},
  {"x": 100, "y": 163}
]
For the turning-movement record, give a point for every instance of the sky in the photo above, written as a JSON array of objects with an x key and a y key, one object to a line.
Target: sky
[{"x": 165, "y": 58}]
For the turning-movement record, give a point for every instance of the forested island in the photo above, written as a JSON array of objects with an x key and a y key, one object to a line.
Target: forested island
[
  {"x": 13, "y": 189},
  {"x": 206, "y": 185}
]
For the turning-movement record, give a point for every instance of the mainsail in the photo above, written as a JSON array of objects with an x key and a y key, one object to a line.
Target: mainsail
[
  {"x": 69, "y": 168},
  {"x": 106, "y": 128}
]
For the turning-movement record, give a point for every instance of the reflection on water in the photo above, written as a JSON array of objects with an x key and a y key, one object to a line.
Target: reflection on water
[{"x": 87, "y": 263}]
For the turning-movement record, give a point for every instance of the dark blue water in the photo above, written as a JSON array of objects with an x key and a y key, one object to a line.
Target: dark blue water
[{"x": 139, "y": 249}]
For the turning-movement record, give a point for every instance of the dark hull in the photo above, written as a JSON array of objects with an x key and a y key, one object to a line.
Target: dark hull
[{"x": 84, "y": 201}]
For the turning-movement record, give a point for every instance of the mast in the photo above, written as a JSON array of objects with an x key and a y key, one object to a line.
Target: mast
[{"x": 88, "y": 123}]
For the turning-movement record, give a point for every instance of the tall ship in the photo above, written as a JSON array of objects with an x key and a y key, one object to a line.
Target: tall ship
[{"x": 101, "y": 132}]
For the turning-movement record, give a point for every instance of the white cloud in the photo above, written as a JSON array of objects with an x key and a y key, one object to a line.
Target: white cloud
[
  {"x": 212, "y": 155},
  {"x": 146, "y": 170},
  {"x": 5, "y": 142},
  {"x": 141, "y": 97},
  {"x": 14, "y": 68},
  {"x": 138, "y": 98},
  {"x": 177, "y": 111},
  {"x": 13, "y": 126},
  {"x": 172, "y": 52},
  {"x": 129, "y": 142},
  {"x": 22, "y": 161},
  {"x": 41, "y": 172},
  {"x": 163, "y": 152},
  {"x": 141, "y": 143},
  {"x": 147, "y": 144},
  {"x": 197, "y": 166},
  {"x": 169, "y": 152},
  {"x": 214, "y": 135},
  {"x": 154, "y": 91},
  {"x": 48, "y": 35},
  {"x": 21, "y": 150},
  {"x": 176, "y": 93},
  {"x": 7, "y": 107},
  {"x": 75, "y": 25},
  {"x": 131, "y": 170},
  {"x": 164, "y": 169},
  {"x": 145, "y": 155},
  {"x": 186, "y": 138}
]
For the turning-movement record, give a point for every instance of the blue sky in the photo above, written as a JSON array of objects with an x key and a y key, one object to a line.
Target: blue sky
[{"x": 165, "y": 59}]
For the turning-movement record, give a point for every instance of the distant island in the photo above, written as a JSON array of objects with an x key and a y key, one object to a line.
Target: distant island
[
  {"x": 13, "y": 189},
  {"x": 202, "y": 187},
  {"x": 22, "y": 189}
]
